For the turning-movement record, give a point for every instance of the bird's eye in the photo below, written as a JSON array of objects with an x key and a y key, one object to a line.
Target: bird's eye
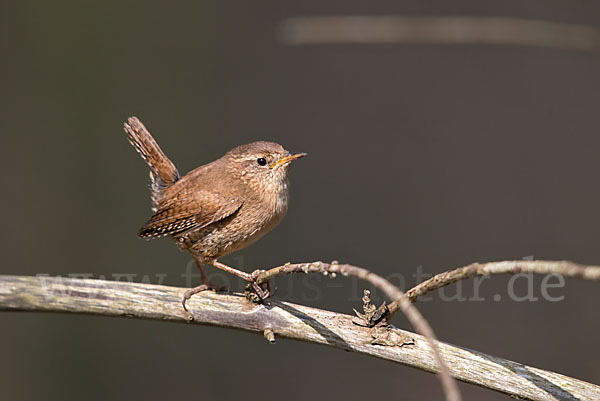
[{"x": 261, "y": 161}]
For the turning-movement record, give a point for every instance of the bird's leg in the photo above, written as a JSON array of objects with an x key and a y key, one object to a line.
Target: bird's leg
[
  {"x": 259, "y": 292},
  {"x": 239, "y": 273},
  {"x": 206, "y": 282},
  {"x": 206, "y": 285},
  {"x": 262, "y": 291}
]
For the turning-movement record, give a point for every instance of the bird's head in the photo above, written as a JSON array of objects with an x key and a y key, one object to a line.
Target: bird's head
[{"x": 261, "y": 165}]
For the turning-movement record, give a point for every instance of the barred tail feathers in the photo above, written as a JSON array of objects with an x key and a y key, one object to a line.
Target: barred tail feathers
[{"x": 163, "y": 172}]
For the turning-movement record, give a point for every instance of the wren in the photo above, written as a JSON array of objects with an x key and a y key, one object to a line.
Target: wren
[{"x": 218, "y": 208}]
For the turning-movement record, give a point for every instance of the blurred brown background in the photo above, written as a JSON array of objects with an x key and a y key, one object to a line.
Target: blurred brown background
[{"x": 420, "y": 155}]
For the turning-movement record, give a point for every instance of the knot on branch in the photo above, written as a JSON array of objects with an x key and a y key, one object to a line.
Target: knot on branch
[{"x": 269, "y": 335}]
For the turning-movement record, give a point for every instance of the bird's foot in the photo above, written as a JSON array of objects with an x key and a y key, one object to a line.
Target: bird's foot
[
  {"x": 205, "y": 286},
  {"x": 258, "y": 292}
]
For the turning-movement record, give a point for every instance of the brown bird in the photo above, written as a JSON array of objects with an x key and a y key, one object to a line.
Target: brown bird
[{"x": 218, "y": 208}]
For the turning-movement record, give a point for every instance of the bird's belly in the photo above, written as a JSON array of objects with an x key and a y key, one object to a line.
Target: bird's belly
[{"x": 228, "y": 235}]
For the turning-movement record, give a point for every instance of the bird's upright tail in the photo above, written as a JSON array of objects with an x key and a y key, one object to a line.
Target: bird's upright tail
[{"x": 163, "y": 172}]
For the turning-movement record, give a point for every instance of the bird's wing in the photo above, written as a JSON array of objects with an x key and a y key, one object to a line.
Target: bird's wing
[{"x": 189, "y": 212}]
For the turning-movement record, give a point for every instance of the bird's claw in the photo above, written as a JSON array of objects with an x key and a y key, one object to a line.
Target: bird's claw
[
  {"x": 192, "y": 291},
  {"x": 258, "y": 292}
]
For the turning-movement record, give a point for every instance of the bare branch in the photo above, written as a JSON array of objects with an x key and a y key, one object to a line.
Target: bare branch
[
  {"x": 438, "y": 30},
  {"x": 286, "y": 320},
  {"x": 564, "y": 268}
]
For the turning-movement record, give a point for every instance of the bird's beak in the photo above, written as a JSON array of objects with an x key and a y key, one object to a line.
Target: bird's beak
[{"x": 288, "y": 158}]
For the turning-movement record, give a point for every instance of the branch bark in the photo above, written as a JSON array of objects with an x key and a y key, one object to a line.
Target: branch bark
[
  {"x": 286, "y": 320},
  {"x": 400, "y": 300}
]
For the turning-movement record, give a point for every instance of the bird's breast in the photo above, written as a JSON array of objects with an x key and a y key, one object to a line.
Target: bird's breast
[{"x": 258, "y": 216}]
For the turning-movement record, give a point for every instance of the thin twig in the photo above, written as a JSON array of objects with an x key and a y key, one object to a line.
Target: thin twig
[
  {"x": 391, "y": 291},
  {"x": 284, "y": 320},
  {"x": 564, "y": 268}
]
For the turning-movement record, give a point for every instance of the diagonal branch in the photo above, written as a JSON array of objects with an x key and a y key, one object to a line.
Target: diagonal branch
[
  {"x": 285, "y": 320},
  {"x": 563, "y": 268}
]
